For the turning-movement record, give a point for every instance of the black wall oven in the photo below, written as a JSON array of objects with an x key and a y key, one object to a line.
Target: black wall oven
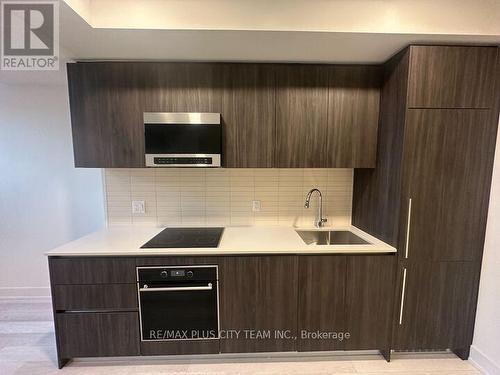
[
  {"x": 178, "y": 302},
  {"x": 182, "y": 139}
]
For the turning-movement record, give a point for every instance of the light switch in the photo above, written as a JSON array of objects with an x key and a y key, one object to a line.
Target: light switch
[
  {"x": 138, "y": 207},
  {"x": 255, "y": 206}
]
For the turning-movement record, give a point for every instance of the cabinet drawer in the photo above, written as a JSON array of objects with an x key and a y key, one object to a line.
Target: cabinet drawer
[
  {"x": 92, "y": 270},
  {"x": 98, "y": 334},
  {"x": 180, "y": 347},
  {"x": 91, "y": 297}
]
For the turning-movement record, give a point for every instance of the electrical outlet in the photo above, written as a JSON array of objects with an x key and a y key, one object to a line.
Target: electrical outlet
[
  {"x": 255, "y": 206},
  {"x": 138, "y": 207}
]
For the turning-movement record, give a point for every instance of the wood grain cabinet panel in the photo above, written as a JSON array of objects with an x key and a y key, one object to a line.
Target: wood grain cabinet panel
[
  {"x": 353, "y": 109},
  {"x": 108, "y": 99},
  {"x": 88, "y": 147},
  {"x": 439, "y": 305},
  {"x": 301, "y": 116},
  {"x": 248, "y": 112},
  {"x": 369, "y": 301},
  {"x": 92, "y": 270},
  {"x": 448, "y": 179},
  {"x": 451, "y": 77},
  {"x": 180, "y": 347},
  {"x": 98, "y": 334},
  {"x": 322, "y": 282},
  {"x": 376, "y": 192},
  {"x": 107, "y": 107},
  {"x": 258, "y": 294},
  {"x": 94, "y": 297},
  {"x": 273, "y": 115},
  {"x": 183, "y": 87}
]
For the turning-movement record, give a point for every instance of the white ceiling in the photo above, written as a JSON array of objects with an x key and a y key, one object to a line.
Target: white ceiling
[
  {"x": 323, "y": 31},
  {"x": 471, "y": 17}
]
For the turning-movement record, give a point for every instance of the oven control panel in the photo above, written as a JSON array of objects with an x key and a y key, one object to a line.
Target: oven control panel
[{"x": 173, "y": 274}]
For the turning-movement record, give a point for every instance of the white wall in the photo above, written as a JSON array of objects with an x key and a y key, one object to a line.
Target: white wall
[
  {"x": 44, "y": 200},
  {"x": 485, "y": 351}
]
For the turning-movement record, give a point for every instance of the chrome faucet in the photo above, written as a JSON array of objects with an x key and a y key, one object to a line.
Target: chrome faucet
[{"x": 321, "y": 221}]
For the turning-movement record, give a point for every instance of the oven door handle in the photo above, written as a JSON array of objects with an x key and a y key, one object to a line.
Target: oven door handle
[{"x": 177, "y": 288}]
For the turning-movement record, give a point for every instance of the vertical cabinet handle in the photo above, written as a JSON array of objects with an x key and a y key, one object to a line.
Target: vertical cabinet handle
[
  {"x": 408, "y": 223},
  {"x": 401, "y": 308}
]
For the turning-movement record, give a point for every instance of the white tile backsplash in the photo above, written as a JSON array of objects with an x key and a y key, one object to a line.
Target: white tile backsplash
[{"x": 176, "y": 196}]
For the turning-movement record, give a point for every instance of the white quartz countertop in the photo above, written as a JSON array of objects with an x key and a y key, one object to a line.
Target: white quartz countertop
[{"x": 127, "y": 240}]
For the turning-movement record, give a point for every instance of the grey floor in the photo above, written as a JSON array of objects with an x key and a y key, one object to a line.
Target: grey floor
[{"x": 27, "y": 347}]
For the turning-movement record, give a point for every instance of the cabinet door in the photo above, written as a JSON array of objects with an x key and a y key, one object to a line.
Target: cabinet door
[
  {"x": 183, "y": 87},
  {"x": 258, "y": 295},
  {"x": 436, "y": 305},
  {"x": 98, "y": 334},
  {"x": 447, "y": 167},
  {"x": 451, "y": 77},
  {"x": 369, "y": 301},
  {"x": 106, "y": 114},
  {"x": 248, "y": 112},
  {"x": 353, "y": 107},
  {"x": 321, "y": 301},
  {"x": 108, "y": 100},
  {"x": 301, "y": 116}
]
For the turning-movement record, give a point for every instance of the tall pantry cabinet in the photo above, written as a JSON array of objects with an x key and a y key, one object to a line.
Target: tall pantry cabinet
[{"x": 429, "y": 193}]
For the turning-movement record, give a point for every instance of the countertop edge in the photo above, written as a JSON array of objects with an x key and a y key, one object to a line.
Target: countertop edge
[{"x": 78, "y": 247}]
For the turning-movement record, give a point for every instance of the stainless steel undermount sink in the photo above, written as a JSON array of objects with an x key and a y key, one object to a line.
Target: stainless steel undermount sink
[{"x": 336, "y": 237}]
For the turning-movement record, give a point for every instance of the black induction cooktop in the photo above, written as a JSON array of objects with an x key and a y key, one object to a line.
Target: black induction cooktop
[{"x": 185, "y": 238}]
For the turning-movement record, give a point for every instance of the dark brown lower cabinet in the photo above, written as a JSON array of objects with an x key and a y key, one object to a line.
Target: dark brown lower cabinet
[
  {"x": 92, "y": 297},
  {"x": 98, "y": 334},
  {"x": 279, "y": 303},
  {"x": 347, "y": 296},
  {"x": 322, "y": 281},
  {"x": 369, "y": 300},
  {"x": 436, "y": 305},
  {"x": 91, "y": 270},
  {"x": 258, "y": 296}
]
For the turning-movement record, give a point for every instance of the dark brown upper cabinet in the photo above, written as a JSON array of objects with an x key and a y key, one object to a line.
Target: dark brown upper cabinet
[
  {"x": 451, "y": 77},
  {"x": 353, "y": 108},
  {"x": 106, "y": 114},
  {"x": 274, "y": 115},
  {"x": 440, "y": 158},
  {"x": 182, "y": 87},
  {"x": 301, "y": 116},
  {"x": 108, "y": 100},
  {"x": 248, "y": 114}
]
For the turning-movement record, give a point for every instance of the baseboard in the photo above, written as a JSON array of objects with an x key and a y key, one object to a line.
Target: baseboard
[
  {"x": 25, "y": 292},
  {"x": 482, "y": 362}
]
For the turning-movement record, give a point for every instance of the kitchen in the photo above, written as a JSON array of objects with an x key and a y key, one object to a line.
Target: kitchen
[{"x": 275, "y": 211}]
